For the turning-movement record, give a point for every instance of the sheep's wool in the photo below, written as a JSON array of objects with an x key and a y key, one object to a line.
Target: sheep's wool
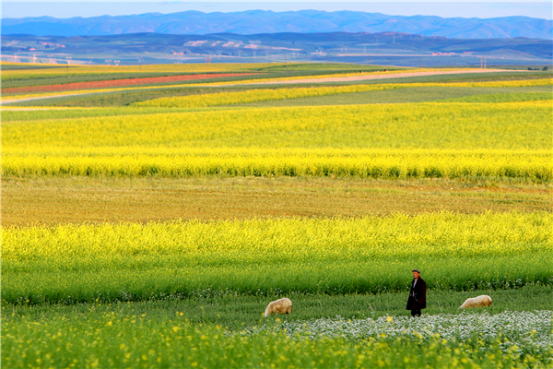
[
  {"x": 482, "y": 300},
  {"x": 281, "y": 306}
]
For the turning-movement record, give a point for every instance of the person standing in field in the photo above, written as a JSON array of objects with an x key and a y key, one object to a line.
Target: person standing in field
[{"x": 417, "y": 294}]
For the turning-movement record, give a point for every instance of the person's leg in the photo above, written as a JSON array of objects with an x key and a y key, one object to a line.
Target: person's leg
[
  {"x": 415, "y": 313},
  {"x": 418, "y": 312}
]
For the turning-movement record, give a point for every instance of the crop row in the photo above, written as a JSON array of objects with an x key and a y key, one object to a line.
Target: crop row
[
  {"x": 334, "y": 256},
  {"x": 517, "y": 326},
  {"x": 535, "y": 166}
]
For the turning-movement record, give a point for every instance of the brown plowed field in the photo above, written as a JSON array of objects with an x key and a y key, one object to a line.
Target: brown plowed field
[{"x": 117, "y": 83}]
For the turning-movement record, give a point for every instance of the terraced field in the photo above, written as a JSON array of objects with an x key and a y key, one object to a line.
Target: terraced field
[{"x": 149, "y": 226}]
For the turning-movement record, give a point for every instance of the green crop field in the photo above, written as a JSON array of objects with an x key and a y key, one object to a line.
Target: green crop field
[{"x": 150, "y": 225}]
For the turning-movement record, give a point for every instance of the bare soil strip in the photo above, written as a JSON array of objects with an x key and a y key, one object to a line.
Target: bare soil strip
[{"x": 117, "y": 83}]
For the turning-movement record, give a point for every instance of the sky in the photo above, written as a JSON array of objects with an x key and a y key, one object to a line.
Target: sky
[{"x": 446, "y": 9}]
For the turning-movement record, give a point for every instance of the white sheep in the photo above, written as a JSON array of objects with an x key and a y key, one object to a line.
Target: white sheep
[
  {"x": 482, "y": 300},
  {"x": 282, "y": 306}
]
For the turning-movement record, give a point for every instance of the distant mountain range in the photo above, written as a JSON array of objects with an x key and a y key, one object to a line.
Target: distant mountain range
[{"x": 305, "y": 21}]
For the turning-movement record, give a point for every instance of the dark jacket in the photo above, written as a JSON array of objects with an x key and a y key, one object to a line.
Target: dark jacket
[{"x": 419, "y": 301}]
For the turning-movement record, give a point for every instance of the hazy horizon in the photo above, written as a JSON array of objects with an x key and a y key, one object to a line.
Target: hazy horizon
[{"x": 70, "y": 9}]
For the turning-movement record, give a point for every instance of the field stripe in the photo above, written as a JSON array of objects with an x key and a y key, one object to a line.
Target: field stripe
[{"x": 22, "y": 98}]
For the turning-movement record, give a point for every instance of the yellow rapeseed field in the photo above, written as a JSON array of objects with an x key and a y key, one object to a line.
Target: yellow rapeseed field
[
  {"x": 436, "y": 234},
  {"x": 131, "y": 162},
  {"x": 230, "y": 98},
  {"x": 86, "y": 262},
  {"x": 429, "y": 140}
]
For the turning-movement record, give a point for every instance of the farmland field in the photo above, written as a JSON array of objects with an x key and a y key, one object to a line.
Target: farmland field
[
  {"x": 150, "y": 225},
  {"x": 118, "y": 82}
]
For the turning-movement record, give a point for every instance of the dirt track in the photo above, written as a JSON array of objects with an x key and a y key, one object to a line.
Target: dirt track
[{"x": 361, "y": 77}]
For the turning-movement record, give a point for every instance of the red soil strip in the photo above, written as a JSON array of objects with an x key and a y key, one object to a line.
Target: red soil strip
[{"x": 117, "y": 83}]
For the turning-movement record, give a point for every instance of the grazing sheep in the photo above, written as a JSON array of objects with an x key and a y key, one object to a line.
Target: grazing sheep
[
  {"x": 482, "y": 300},
  {"x": 282, "y": 306}
]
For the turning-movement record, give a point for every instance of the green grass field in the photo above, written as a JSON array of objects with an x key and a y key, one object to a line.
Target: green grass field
[
  {"x": 210, "y": 333},
  {"x": 237, "y": 312},
  {"x": 156, "y": 236},
  {"x": 415, "y": 94}
]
